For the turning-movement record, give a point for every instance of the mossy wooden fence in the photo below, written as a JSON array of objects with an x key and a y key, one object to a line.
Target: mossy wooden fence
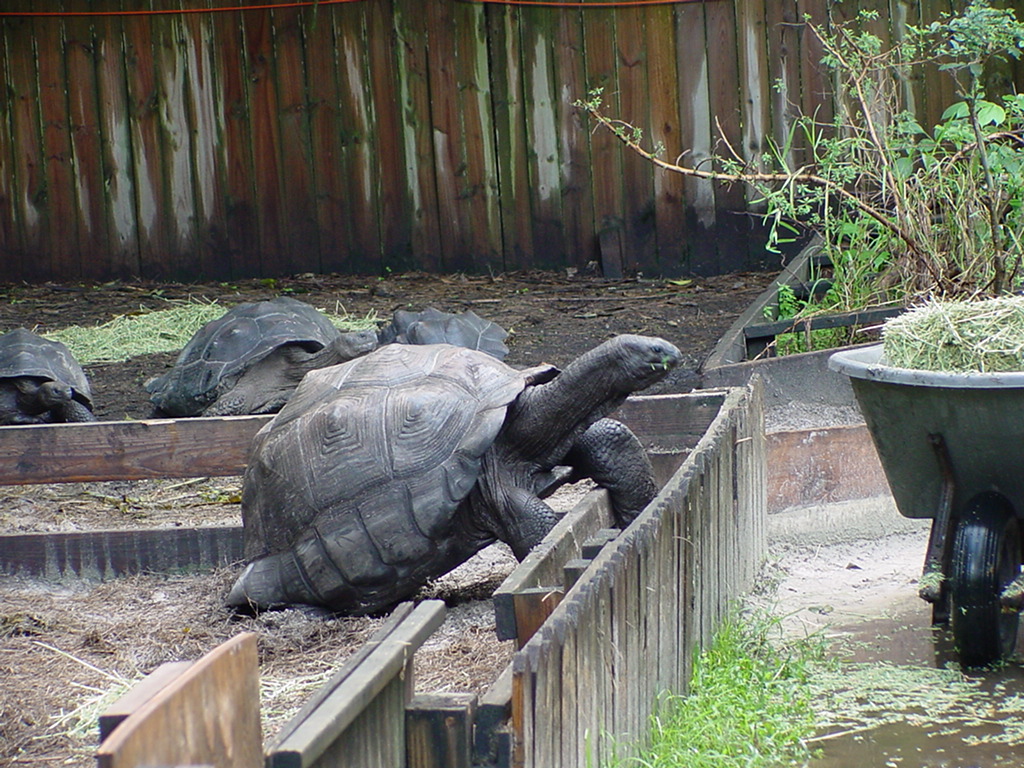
[
  {"x": 605, "y": 620},
  {"x": 363, "y": 136}
]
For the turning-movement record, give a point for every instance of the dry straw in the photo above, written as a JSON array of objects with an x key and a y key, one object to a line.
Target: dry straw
[{"x": 958, "y": 336}]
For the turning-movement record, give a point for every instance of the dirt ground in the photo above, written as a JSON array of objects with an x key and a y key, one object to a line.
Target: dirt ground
[
  {"x": 68, "y": 649},
  {"x": 551, "y": 317}
]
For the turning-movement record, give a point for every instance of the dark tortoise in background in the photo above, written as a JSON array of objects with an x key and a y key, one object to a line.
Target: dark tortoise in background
[
  {"x": 41, "y": 382},
  {"x": 390, "y": 470},
  {"x": 251, "y": 359}
]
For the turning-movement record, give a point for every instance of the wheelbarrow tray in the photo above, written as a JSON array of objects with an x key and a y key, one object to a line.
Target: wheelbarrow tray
[{"x": 979, "y": 416}]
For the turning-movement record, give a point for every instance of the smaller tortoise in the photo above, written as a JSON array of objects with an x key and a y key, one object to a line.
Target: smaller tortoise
[
  {"x": 41, "y": 382},
  {"x": 390, "y": 470},
  {"x": 250, "y": 359},
  {"x": 431, "y": 326}
]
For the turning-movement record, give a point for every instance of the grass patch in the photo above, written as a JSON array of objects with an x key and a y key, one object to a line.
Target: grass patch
[
  {"x": 749, "y": 702},
  {"x": 164, "y": 330}
]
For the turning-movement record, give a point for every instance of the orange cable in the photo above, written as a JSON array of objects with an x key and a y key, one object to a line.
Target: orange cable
[
  {"x": 168, "y": 11},
  {"x": 578, "y": 5}
]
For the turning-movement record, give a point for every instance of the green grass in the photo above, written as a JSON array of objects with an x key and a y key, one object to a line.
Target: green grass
[
  {"x": 164, "y": 330},
  {"x": 749, "y": 702}
]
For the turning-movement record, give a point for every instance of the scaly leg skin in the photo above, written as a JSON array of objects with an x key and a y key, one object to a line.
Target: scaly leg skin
[
  {"x": 612, "y": 456},
  {"x": 527, "y": 521}
]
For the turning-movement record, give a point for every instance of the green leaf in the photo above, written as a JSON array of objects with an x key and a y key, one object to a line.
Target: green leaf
[
  {"x": 956, "y": 111},
  {"x": 990, "y": 114}
]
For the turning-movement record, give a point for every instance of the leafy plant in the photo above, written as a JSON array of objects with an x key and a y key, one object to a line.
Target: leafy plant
[
  {"x": 904, "y": 211},
  {"x": 749, "y": 702}
]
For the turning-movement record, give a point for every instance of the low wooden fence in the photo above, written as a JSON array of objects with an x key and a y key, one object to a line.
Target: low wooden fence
[{"x": 605, "y": 620}]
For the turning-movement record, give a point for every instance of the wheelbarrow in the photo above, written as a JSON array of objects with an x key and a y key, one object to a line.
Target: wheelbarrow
[{"x": 952, "y": 448}]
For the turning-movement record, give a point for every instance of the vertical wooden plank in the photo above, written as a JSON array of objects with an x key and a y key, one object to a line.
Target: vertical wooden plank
[
  {"x": 410, "y": 217},
  {"x": 723, "y": 76},
  {"x": 669, "y": 188},
  {"x": 63, "y": 216},
  {"x": 605, "y": 150},
  {"x": 27, "y": 176},
  {"x": 522, "y": 702},
  {"x": 298, "y": 206},
  {"x": 446, "y": 129},
  {"x": 480, "y": 246},
  {"x": 86, "y": 157},
  {"x": 439, "y": 730},
  {"x": 606, "y": 661},
  {"x": 9, "y": 242},
  {"x": 754, "y": 105},
  {"x": 638, "y": 173},
  {"x": 695, "y": 134},
  {"x": 266, "y": 141},
  {"x": 783, "y": 59},
  {"x": 549, "y": 697},
  {"x": 151, "y": 192},
  {"x": 204, "y": 100},
  {"x": 816, "y": 91},
  {"x": 503, "y": 31},
  {"x": 574, "y": 152},
  {"x": 940, "y": 88},
  {"x": 540, "y": 97},
  {"x": 237, "y": 240},
  {"x": 171, "y": 47},
  {"x": 174, "y": 726},
  {"x": 572, "y": 702},
  {"x": 115, "y": 140},
  {"x": 343, "y": 140},
  {"x": 587, "y": 671}
]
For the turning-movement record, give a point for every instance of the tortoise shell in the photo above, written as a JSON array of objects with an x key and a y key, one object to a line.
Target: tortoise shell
[
  {"x": 390, "y": 444},
  {"x": 225, "y": 348},
  {"x": 24, "y": 354}
]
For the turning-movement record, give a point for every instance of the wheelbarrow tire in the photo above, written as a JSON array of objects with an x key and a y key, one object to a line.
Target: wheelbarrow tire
[{"x": 986, "y": 557}]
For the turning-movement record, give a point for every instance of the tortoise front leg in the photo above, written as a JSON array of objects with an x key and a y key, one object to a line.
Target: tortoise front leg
[
  {"x": 526, "y": 520},
  {"x": 612, "y": 456}
]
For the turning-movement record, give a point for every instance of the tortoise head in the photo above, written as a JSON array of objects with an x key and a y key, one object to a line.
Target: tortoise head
[{"x": 629, "y": 363}]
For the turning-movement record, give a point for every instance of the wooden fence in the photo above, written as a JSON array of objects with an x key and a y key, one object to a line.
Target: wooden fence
[
  {"x": 605, "y": 620},
  {"x": 372, "y": 135}
]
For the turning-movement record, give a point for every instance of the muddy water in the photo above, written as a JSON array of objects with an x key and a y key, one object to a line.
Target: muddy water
[
  {"x": 898, "y": 699},
  {"x": 954, "y": 722}
]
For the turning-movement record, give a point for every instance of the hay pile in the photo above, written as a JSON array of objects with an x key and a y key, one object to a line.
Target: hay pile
[{"x": 958, "y": 336}]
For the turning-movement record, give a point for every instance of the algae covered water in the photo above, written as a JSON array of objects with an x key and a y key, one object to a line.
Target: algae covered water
[{"x": 893, "y": 695}]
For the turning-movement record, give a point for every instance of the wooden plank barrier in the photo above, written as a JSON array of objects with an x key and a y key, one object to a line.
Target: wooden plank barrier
[
  {"x": 209, "y": 714},
  {"x": 126, "y": 450},
  {"x": 358, "y": 717},
  {"x": 589, "y": 677}
]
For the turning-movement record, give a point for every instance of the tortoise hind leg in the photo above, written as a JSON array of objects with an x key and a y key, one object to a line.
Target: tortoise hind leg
[{"x": 612, "y": 456}]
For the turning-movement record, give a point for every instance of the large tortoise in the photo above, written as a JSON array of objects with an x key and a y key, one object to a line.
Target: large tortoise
[
  {"x": 390, "y": 470},
  {"x": 41, "y": 382},
  {"x": 250, "y": 359}
]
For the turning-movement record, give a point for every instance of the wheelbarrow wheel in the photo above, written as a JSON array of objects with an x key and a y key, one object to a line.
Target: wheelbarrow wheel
[{"x": 986, "y": 557}]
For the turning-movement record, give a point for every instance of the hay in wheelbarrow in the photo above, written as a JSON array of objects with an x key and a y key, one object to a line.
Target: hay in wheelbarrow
[{"x": 984, "y": 336}]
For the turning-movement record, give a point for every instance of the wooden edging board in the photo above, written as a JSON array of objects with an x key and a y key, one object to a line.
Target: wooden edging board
[
  {"x": 165, "y": 730},
  {"x": 345, "y": 696},
  {"x": 126, "y": 450}
]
